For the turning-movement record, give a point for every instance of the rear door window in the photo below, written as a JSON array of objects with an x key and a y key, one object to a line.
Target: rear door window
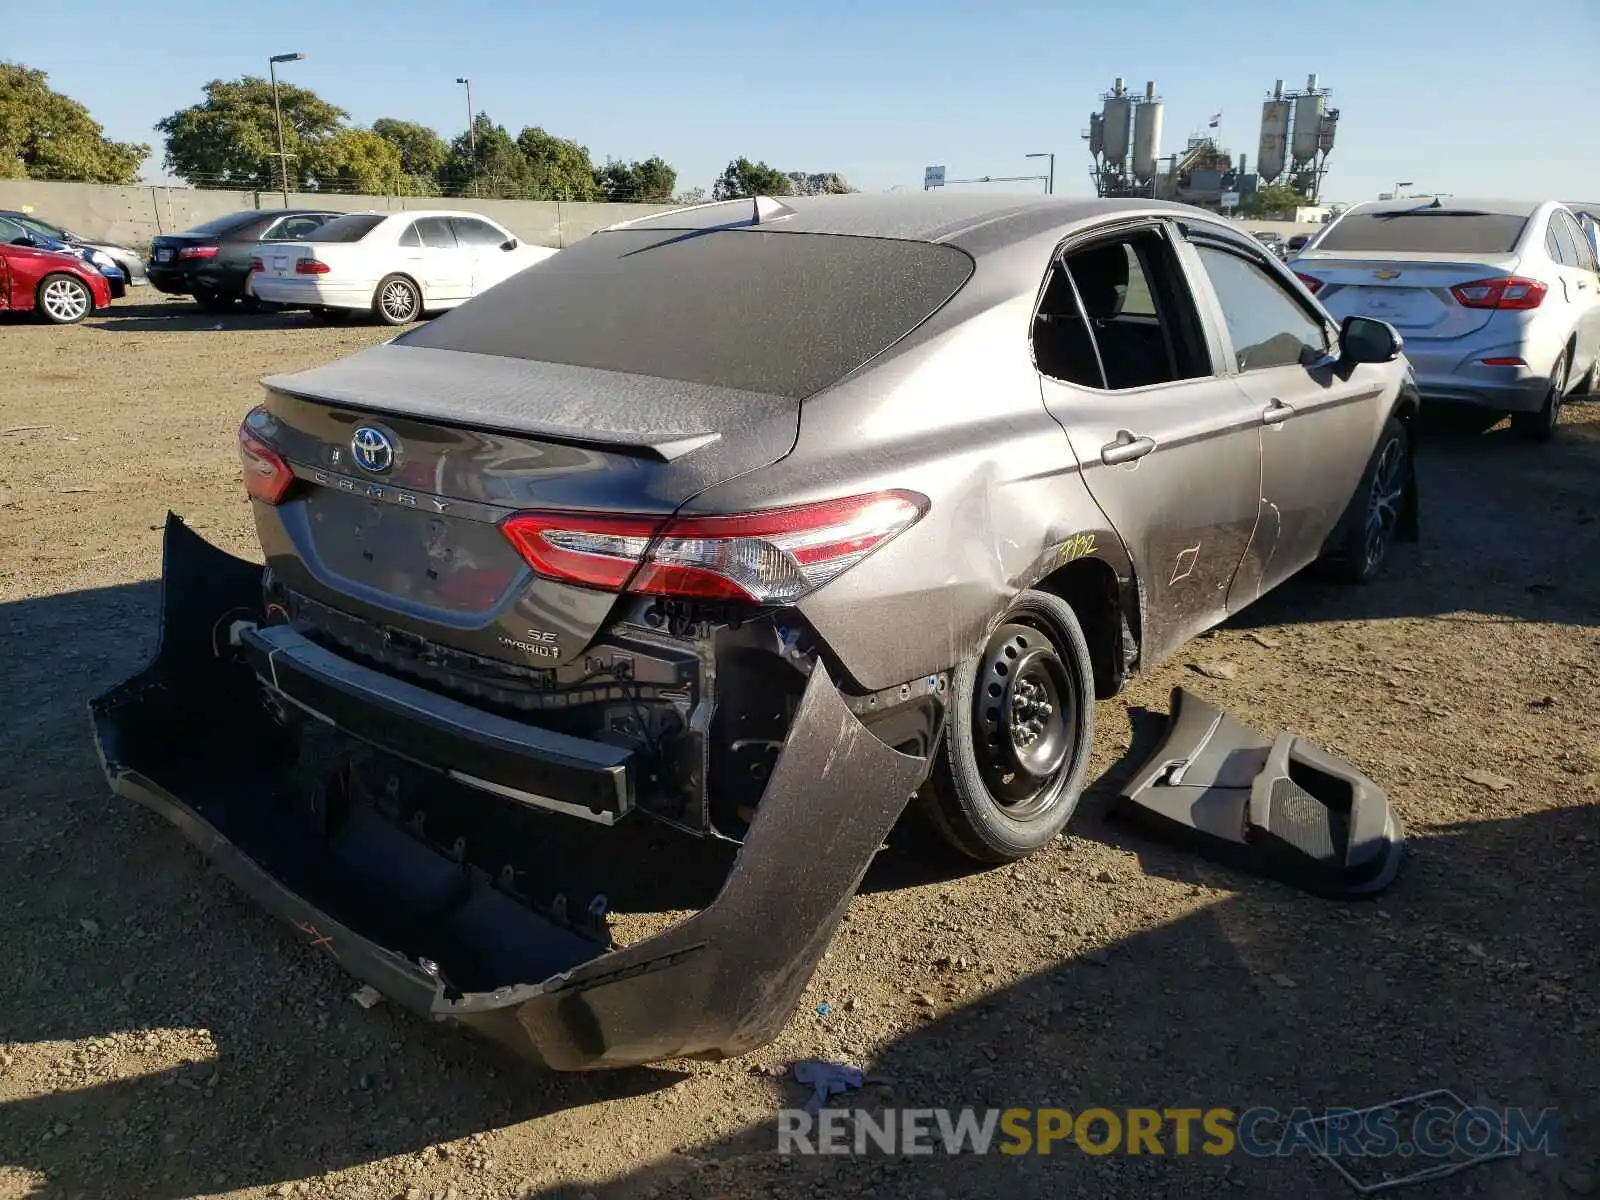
[
  {"x": 1116, "y": 315},
  {"x": 785, "y": 314},
  {"x": 411, "y": 237},
  {"x": 1267, "y": 325},
  {"x": 436, "y": 233},
  {"x": 1582, "y": 253},
  {"x": 1425, "y": 231}
]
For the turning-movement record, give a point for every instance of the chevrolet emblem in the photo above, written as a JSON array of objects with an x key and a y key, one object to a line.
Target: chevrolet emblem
[{"x": 1387, "y": 274}]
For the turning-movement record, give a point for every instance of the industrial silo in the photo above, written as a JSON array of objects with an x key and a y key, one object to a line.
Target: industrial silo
[
  {"x": 1097, "y": 134},
  {"x": 1309, "y": 109},
  {"x": 1147, "y": 135},
  {"x": 1274, "y": 148},
  {"x": 1117, "y": 119}
]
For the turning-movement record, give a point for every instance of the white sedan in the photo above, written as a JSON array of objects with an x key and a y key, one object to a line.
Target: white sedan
[{"x": 395, "y": 265}]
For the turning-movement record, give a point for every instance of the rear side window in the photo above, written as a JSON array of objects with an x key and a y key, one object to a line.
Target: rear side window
[
  {"x": 350, "y": 228},
  {"x": 1566, "y": 250},
  {"x": 436, "y": 233},
  {"x": 786, "y": 314},
  {"x": 1424, "y": 231},
  {"x": 1584, "y": 253},
  {"x": 411, "y": 237}
]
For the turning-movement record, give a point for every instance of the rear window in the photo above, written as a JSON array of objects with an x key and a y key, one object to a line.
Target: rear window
[
  {"x": 1444, "y": 231},
  {"x": 786, "y": 314},
  {"x": 348, "y": 229},
  {"x": 227, "y": 224}
]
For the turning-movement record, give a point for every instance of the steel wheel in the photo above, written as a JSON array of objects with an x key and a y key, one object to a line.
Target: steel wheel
[
  {"x": 398, "y": 301},
  {"x": 1023, "y": 720},
  {"x": 1014, "y": 758},
  {"x": 64, "y": 300},
  {"x": 1384, "y": 498}
]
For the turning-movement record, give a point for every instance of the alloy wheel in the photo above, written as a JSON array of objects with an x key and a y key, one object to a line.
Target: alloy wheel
[
  {"x": 1384, "y": 499},
  {"x": 65, "y": 300}
]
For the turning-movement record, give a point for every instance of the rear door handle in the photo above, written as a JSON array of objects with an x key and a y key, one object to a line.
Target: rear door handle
[
  {"x": 1125, "y": 449},
  {"x": 1276, "y": 413}
]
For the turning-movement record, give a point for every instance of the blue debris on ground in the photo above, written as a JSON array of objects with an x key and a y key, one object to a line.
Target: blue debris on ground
[{"x": 826, "y": 1079}]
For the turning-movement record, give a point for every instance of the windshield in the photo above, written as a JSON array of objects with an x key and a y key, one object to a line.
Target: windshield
[
  {"x": 347, "y": 229},
  {"x": 1428, "y": 231},
  {"x": 785, "y": 314},
  {"x": 49, "y": 230}
]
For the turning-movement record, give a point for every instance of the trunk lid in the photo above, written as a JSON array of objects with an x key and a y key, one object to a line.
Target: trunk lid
[
  {"x": 409, "y": 458},
  {"x": 280, "y": 259},
  {"x": 164, "y": 247},
  {"x": 1409, "y": 291}
]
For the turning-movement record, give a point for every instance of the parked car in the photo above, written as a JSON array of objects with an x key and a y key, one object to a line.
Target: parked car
[
  {"x": 395, "y": 266},
  {"x": 57, "y": 284},
  {"x": 745, "y": 521},
  {"x": 211, "y": 262},
  {"x": 14, "y": 233},
  {"x": 1271, "y": 239},
  {"x": 1499, "y": 301},
  {"x": 126, "y": 259}
]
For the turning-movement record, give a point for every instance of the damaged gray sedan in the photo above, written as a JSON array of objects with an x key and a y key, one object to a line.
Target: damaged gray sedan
[{"x": 743, "y": 523}]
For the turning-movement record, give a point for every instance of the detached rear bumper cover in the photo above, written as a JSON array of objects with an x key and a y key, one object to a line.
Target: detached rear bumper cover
[{"x": 720, "y": 983}]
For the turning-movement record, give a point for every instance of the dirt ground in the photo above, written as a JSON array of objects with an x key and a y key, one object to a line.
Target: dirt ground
[{"x": 159, "y": 1037}]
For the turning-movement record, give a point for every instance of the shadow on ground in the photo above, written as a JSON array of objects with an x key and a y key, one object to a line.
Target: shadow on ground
[{"x": 179, "y": 315}]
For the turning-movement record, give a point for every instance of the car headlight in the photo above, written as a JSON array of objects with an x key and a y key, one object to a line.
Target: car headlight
[{"x": 101, "y": 259}]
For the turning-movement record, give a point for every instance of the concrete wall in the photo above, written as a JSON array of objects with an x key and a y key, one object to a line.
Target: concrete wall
[{"x": 133, "y": 215}]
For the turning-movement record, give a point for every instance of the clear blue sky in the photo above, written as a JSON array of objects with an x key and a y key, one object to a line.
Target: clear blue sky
[{"x": 1465, "y": 96}]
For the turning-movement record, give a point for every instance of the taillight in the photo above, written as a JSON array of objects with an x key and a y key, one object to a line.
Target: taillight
[
  {"x": 257, "y": 265},
  {"x": 1313, "y": 284},
  {"x": 266, "y": 476},
  {"x": 198, "y": 251},
  {"x": 1509, "y": 292},
  {"x": 310, "y": 266},
  {"x": 772, "y": 557}
]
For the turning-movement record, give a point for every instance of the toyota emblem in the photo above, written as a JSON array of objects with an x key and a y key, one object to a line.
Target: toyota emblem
[{"x": 372, "y": 449}]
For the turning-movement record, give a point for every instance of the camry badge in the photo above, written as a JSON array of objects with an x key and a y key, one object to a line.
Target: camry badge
[{"x": 372, "y": 449}]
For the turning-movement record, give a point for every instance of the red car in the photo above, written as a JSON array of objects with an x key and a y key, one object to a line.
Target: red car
[{"x": 63, "y": 288}]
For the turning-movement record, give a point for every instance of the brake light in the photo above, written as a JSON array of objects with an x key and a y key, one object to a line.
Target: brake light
[
  {"x": 310, "y": 266},
  {"x": 1313, "y": 284},
  {"x": 198, "y": 251},
  {"x": 772, "y": 557},
  {"x": 1504, "y": 362},
  {"x": 266, "y": 476},
  {"x": 1511, "y": 291},
  {"x": 257, "y": 265}
]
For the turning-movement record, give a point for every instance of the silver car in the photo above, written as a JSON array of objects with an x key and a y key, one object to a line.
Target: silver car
[{"x": 1498, "y": 301}]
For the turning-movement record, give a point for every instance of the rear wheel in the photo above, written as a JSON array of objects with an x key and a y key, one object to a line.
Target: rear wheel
[
  {"x": 1015, "y": 753},
  {"x": 1541, "y": 426},
  {"x": 1373, "y": 517},
  {"x": 64, "y": 299},
  {"x": 397, "y": 301}
]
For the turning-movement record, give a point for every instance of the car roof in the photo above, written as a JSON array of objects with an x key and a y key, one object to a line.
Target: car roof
[{"x": 974, "y": 221}]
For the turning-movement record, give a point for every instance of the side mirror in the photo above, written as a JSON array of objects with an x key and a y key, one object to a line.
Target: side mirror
[
  {"x": 509, "y": 244},
  {"x": 24, "y": 240},
  {"x": 1366, "y": 340}
]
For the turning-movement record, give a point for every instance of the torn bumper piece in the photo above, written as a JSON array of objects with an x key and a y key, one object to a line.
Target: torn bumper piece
[
  {"x": 1279, "y": 807},
  {"x": 192, "y": 738}
]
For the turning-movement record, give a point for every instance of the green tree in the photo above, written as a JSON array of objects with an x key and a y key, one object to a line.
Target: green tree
[
  {"x": 1266, "y": 201},
  {"x": 422, "y": 152},
  {"x": 499, "y": 169},
  {"x": 647, "y": 182},
  {"x": 690, "y": 196},
  {"x": 46, "y": 135},
  {"x": 231, "y": 139},
  {"x": 744, "y": 178},
  {"x": 558, "y": 168},
  {"x": 358, "y": 161}
]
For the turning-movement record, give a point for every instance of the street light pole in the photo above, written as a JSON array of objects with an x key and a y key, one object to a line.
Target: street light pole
[
  {"x": 472, "y": 136},
  {"x": 1050, "y": 184},
  {"x": 277, "y": 113}
]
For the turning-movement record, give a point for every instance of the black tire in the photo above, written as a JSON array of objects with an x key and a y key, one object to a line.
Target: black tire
[
  {"x": 979, "y": 798},
  {"x": 1541, "y": 426},
  {"x": 63, "y": 299},
  {"x": 1373, "y": 517},
  {"x": 329, "y": 316},
  {"x": 397, "y": 300},
  {"x": 213, "y": 302}
]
